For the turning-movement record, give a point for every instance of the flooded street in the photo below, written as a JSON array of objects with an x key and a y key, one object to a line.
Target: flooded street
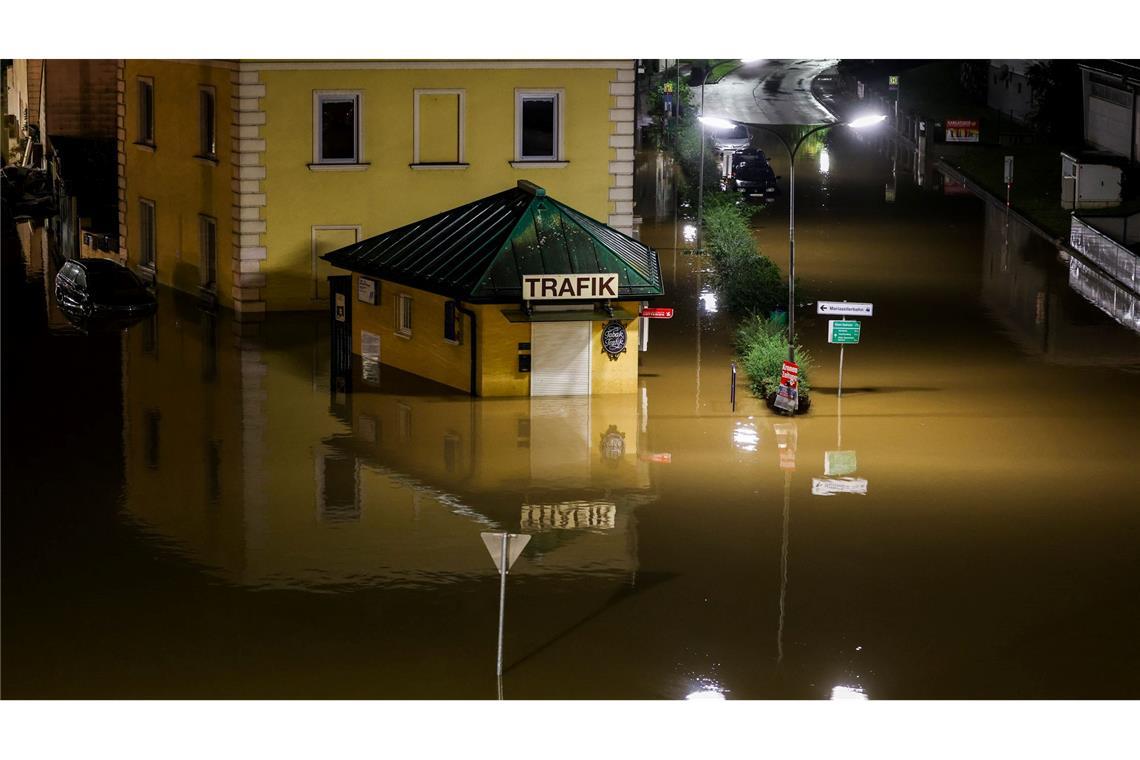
[{"x": 195, "y": 508}]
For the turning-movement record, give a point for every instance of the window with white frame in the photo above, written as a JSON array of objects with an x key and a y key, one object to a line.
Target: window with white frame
[
  {"x": 438, "y": 128},
  {"x": 336, "y": 128},
  {"x": 207, "y": 133},
  {"x": 148, "y": 235},
  {"x": 404, "y": 315},
  {"x": 146, "y": 111},
  {"x": 538, "y": 125}
]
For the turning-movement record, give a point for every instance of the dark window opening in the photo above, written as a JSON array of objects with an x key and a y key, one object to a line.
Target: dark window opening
[
  {"x": 208, "y": 140},
  {"x": 147, "y": 233},
  {"x": 339, "y": 500},
  {"x": 150, "y": 335},
  {"x": 146, "y": 112},
  {"x": 213, "y": 473},
  {"x": 450, "y": 323},
  {"x": 150, "y": 437},
  {"x": 208, "y": 234},
  {"x": 538, "y": 127},
  {"x": 209, "y": 347},
  {"x": 338, "y": 130}
]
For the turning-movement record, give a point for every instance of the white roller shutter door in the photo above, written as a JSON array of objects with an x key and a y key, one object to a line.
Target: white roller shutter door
[{"x": 560, "y": 359}]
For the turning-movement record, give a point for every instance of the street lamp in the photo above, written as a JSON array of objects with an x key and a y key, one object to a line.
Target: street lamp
[
  {"x": 701, "y": 182},
  {"x": 860, "y": 123}
]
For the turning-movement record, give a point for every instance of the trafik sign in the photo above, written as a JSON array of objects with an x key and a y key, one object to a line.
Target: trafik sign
[{"x": 568, "y": 287}]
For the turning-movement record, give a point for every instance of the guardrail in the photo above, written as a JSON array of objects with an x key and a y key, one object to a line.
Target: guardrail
[{"x": 1113, "y": 257}]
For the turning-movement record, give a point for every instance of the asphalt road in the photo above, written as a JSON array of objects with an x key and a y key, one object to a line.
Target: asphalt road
[{"x": 769, "y": 91}]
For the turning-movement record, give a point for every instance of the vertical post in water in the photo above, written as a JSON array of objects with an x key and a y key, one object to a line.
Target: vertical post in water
[
  {"x": 732, "y": 391},
  {"x": 840, "y": 370},
  {"x": 502, "y": 603}
]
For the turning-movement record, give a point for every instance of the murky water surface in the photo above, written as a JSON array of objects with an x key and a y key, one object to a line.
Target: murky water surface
[{"x": 193, "y": 509}]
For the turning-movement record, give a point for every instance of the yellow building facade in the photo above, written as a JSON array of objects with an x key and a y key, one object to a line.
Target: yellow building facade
[{"x": 235, "y": 177}]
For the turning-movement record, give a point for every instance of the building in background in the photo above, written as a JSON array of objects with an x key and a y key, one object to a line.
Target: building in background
[
  {"x": 1112, "y": 107},
  {"x": 1008, "y": 90},
  {"x": 60, "y": 116},
  {"x": 237, "y": 176},
  {"x": 515, "y": 294}
]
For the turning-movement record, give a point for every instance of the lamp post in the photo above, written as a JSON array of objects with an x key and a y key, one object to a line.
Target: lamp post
[
  {"x": 701, "y": 185},
  {"x": 701, "y": 181},
  {"x": 860, "y": 123}
]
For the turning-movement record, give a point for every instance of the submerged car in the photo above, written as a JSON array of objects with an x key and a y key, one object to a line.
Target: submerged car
[
  {"x": 752, "y": 175},
  {"x": 734, "y": 139},
  {"x": 100, "y": 290}
]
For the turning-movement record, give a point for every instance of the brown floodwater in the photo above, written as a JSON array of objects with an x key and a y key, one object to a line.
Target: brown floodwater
[{"x": 195, "y": 508}]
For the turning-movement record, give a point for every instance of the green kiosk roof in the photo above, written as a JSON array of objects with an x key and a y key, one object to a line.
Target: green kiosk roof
[{"x": 479, "y": 252}]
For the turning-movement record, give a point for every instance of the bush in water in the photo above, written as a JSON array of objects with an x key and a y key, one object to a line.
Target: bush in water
[
  {"x": 747, "y": 281},
  {"x": 762, "y": 345}
]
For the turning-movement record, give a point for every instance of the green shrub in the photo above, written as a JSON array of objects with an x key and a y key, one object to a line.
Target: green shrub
[
  {"x": 747, "y": 281},
  {"x": 749, "y": 284},
  {"x": 762, "y": 347}
]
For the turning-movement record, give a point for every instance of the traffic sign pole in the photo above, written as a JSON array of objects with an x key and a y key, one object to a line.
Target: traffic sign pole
[
  {"x": 841, "y": 347},
  {"x": 509, "y": 548},
  {"x": 502, "y": 608}
]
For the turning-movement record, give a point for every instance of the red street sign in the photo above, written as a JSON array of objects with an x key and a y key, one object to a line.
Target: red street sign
[
  {"x": 658, "y": 313},
  {"x": 790, "y": 374},
  {"x": 787, "y": 395}
]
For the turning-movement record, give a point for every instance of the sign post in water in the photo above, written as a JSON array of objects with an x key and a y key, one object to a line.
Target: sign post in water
[{"x": 844, "y": 332}]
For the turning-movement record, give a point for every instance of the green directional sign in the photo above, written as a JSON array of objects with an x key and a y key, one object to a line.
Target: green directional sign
[{"x": 842, "y": 331}]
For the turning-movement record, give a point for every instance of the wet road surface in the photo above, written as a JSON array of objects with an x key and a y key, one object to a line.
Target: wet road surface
[
  {"x": 194, "y": 510},
  {"x": 768, "y": 91}
]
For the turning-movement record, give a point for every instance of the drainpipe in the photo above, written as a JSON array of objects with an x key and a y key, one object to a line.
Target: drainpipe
[{"x": 474, "y": 342}]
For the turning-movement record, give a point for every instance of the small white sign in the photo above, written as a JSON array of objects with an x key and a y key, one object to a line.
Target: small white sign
[
  {"x": 833, "y": 486},
  {"x": 568, "y": 287},
  {"x": 1008, "y": 170},
  {"x": 845, "y": 308},
  {"x": 366, "y": 291}
]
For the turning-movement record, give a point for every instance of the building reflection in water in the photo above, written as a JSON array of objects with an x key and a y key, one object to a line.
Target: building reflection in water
[{"x": 242, "y": 456}]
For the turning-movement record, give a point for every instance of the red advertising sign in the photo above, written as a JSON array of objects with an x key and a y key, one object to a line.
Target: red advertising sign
[
  {"x": 962, "y": 130},
  {"x": 787, "y": 397},
  {"x": 657, "y": 313}
]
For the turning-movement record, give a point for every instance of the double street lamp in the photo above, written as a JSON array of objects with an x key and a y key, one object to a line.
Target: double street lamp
[{"x": 861, "y": 123}]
